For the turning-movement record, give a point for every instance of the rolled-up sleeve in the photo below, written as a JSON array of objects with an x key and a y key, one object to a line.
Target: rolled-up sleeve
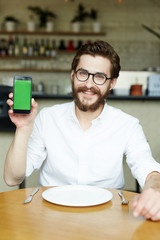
[{"x": 138, "y": 155}]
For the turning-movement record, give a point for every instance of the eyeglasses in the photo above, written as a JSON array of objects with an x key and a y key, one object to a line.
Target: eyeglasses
[{"x": 98, "y": 78}]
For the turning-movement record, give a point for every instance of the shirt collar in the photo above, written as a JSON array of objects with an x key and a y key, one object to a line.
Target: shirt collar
[
  {"x": 100, "y": 117},
  {"x": 73, "y": 112}
]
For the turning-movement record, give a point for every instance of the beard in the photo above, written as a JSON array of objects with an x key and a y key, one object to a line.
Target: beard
[{"x": 82, "y": 104}]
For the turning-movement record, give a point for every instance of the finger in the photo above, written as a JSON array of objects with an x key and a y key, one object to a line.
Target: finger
[
  {"x": 134, "y": 205},
  {"x": 148, "y": 204},
  {"x": 33, "y": 102},
  {"x": 139, "y": 208},
  {"x": 148, "y": 207},
  {"x": 153, "y": 207},
  {"x": 11, "y": 95},
  {"x": 135, "y": 201},
  {"x": 34, "y": 105},
  {"x": 10, "y": 112},
  {"x": 156, "y": 217},
  {"x": 9, "y": 102}
]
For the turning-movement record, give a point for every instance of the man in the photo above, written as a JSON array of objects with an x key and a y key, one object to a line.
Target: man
[{"x": 83, "y": 142}]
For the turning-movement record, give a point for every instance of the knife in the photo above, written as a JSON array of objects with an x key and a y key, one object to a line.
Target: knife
[{"x": 29, "y": 199}]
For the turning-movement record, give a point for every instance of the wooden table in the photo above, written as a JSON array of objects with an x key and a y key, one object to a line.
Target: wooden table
[{"x": 43, "y": 220}]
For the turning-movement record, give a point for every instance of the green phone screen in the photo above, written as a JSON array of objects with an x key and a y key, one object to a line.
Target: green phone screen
[{"x": 22, "y": 94}]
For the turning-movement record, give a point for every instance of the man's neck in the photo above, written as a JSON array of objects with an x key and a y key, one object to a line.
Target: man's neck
[{"x": 85, "y": 118}]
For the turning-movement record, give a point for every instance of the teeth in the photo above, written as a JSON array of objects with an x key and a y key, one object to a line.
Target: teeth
[{"x": 89, "y": 93}]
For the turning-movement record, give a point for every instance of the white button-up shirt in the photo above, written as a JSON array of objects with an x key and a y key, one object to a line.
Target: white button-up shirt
[{"x": 69, "y": 155}]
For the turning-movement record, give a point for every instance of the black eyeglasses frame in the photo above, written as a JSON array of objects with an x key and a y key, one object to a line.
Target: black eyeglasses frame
[{"x": 92, "y": 74}]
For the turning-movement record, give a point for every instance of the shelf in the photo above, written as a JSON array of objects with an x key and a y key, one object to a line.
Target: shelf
[
  {"x": 34, "y": 70},
  {"x": 133, "y": 98},
  {"x": 69, "y": 33},
  {"x": 111, "y": 97},
  {"x": 36, "y": 57},
  {"x": 26, "y": 57}
]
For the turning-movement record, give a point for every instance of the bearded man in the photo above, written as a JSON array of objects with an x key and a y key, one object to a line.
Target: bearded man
[{"x": 84, "y": 141}]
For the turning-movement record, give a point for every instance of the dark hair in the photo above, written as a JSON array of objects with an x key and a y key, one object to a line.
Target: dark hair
[{"x": 99, "y": 48}]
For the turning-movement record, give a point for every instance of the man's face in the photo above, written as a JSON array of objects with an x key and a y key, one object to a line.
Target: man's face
[{"x": 87, "y": 95}]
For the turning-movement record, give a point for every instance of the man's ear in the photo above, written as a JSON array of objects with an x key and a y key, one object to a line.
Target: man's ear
[
  {"x": 72, "y": 75},
  {"x": 113, "y": 83}
]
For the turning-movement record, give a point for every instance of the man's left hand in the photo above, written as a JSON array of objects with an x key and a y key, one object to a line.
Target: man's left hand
[{"x": 147, "y": 204}]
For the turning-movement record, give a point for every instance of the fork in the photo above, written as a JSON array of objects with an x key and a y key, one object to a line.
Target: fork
[
  {"x": 124, "y": 202},
  {"x": 29, "y": 199}
]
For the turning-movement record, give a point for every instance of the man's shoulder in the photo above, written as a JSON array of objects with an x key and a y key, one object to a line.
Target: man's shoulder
[
  {"x": 56, "y": 110},
  {"x": 120, "y": 115}
]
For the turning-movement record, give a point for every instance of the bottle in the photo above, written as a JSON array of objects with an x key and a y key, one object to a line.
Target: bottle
[
  {"x": 36, "y": 48},
  {"x": 10, "y": 47},
  {"x": 62, "y": 45},
  {"x": 30, "y": 49},
  {"x": 89, "y": 41},
  {"x": 17, "y": 48},
  {"x": 47, "y": 48},
  {"x": 3, "y": 47},
  {"x": 42, "y": 48},
  {"x": 53, "y": 49},
  {"x": 79, "y": 44},
  {"x": 70, "y": 46},
  {"x": 25, "y": 47},
  {"x": 40, "y": 87},
  {"x": 0, "y": 46}
]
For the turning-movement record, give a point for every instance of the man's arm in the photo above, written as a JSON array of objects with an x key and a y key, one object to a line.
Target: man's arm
[
  {"x": 15, "y": 163},
  {"x": 147, "y": 203}
]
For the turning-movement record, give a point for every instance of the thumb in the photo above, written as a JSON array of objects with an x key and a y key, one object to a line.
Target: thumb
[
  {"x": 134, "y": 205},
  {"x": 34, "y": 104},
  {"x": 33, "y": 101}
]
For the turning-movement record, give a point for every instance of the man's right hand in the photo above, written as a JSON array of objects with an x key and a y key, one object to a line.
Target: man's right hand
[{"x": 22, "y": 120}]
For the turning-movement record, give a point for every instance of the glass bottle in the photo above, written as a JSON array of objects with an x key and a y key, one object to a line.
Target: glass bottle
[
  {"x": 30, "y": 49},
  {"x": 3, "y": 47},
  {"x": 53, "y": 49},
  {"x": 10, "y": 47},
  {"x": 36, "y": 48},
  {"x": 47, "y": 48},
  {"x": 70, "y": 46},
  {"x": 25, "y": 47},
  {"x": 79, "y": 44},
  {"x": 42, "y": 48},
  {"x": 17, "y": 47},
  {"x": 62, "y": 45}
]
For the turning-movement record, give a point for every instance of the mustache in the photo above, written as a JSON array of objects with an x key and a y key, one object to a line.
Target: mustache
[{"x": 84, "y": 89}]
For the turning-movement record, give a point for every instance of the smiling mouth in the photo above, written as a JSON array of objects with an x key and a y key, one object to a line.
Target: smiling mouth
[{"x": 88, "y": 92}]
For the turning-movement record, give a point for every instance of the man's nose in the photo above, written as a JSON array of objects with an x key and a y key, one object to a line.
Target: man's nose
[{"x": 89, "y": 82}]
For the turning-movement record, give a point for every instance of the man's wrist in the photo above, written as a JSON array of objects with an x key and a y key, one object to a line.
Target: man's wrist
[
  {"x": 153, "y": 181},
  {"x": 25, "y": 130}
]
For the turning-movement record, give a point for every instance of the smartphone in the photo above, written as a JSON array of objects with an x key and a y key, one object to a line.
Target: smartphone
[{"x": 22, "y": 89}]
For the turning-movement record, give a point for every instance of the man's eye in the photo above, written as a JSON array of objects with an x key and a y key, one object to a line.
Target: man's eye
[
  {"x": 83, "y": 73},
  {"x": 100, "y": 76}
]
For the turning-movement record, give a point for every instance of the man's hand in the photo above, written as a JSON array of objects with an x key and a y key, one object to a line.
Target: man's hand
[{"x": 147, "y": 204}]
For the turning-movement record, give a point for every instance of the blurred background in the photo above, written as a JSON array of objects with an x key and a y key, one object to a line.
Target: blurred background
[{"x": 40, "y": 38}]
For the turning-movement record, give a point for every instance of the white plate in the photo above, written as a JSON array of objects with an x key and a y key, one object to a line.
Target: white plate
[{"x": 77, "y": 195}]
